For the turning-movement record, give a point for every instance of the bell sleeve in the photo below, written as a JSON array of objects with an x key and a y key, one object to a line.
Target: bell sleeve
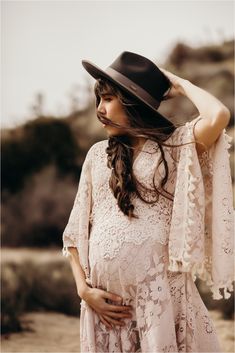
[
  {"x": 201, "y": 239},
  {"x": 76, "y": 232}
]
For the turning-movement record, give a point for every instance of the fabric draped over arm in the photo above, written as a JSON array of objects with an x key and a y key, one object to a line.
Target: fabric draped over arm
[
  {"x": 201, "y": 239},
  {"x": 76, "y": 233}
]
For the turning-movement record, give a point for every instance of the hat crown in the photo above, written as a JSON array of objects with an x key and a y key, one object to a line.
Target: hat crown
[
  {"x": 143, "y": 72},
  {"x": 139, "y": 77}
]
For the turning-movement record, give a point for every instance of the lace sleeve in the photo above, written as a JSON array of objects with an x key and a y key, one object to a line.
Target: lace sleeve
[
  {"x": 201, "y": 237},
  {"x": 76, "y": 232}
]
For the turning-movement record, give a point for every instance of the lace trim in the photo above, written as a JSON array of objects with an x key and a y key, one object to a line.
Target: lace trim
[
  {"x": 206, "y": 157},
  {"x": 187, "y": 254},
  {"x": 106, "y": 238},
  {"x": 228, "y": 142},
  {"x": 202, "y": 270},
  {"x": 184, "y": 211},
  {"x": 65, "y": 251},
  {"x": 199, "y": 270}
]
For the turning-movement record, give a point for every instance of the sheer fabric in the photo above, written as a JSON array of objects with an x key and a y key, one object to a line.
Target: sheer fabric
[{"x": 153, "y": 261}]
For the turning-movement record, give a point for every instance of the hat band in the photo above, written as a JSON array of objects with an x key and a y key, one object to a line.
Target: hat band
[{"x": 139, "y": 92}]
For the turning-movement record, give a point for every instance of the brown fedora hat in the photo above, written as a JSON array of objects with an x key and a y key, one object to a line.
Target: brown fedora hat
[{"x": 138, "y": 76}]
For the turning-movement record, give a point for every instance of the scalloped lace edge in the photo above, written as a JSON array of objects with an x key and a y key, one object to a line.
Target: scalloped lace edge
[
  {"x": 196, "y": 269},
  {"x": 189, "y": 220},
  {"x": 228, "y": 138},
  {"x": 65, "y": 251},
  {"x": 199, "y": 270}
]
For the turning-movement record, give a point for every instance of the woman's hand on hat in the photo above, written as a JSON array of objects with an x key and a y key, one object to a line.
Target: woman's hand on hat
[{"x": 176, "y": 88}]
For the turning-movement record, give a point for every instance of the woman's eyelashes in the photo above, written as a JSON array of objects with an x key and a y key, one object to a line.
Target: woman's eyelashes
[{"x": 107, "y": 98}]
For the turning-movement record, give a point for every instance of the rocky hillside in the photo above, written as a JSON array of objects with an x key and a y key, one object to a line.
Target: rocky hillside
[{"x": 41, "y": 160}]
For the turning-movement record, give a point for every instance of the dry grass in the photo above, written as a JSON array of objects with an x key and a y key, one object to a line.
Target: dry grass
[
  {"x": 33, "y": 281},
  {"x": 53, "y": 332}
]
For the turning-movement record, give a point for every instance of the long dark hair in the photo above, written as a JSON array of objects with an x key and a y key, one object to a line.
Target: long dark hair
[{"x": 143, "y": 122}]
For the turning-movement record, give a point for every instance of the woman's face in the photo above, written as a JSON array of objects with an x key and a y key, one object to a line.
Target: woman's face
[{"x": 111, "y": 108}]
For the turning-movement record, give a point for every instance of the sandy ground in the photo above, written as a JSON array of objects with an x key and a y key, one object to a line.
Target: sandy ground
[
  {"x": 53, "y": 332},
  {"x": 18, "y": 255},
  {"x": 49, "y": 332}
]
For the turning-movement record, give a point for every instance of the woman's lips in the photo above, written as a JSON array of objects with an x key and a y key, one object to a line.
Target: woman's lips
[{"x": 104, "y": 123}]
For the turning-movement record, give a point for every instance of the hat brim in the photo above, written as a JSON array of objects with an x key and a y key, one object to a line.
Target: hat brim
[{"x": 97, "y": 73}]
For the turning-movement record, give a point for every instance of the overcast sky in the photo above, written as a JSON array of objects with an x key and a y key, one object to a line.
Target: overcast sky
[{"x": 43, "y": 42}]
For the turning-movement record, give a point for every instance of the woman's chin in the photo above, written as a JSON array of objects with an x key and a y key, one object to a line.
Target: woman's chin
[{"x": 113, "y": 132}]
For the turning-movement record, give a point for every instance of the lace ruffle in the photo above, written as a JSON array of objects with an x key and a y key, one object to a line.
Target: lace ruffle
[
  {"x": 76, "y": 233},
  {"x": 198, "y": 226},
  {"x": 195, "y": 243},
  {"x": 111, "y": 229},
  {"x": 65, "y": 251}
]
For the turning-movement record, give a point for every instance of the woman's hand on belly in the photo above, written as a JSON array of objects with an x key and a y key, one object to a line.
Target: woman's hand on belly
[{"x": 108, "y": 313}]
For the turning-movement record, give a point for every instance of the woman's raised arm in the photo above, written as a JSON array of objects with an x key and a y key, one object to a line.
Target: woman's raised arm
[{"x": 215, "y": 115}]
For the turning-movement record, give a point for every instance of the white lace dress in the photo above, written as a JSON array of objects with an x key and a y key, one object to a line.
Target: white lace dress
[{"x": 153, "y": 261}]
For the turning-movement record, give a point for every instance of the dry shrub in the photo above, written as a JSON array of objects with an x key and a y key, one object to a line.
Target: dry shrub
[
  {"x": 54, "y": 289},
  {"x": 16, "y": 287},
  {"x": 30, "y": 286},
  {"x": 37, "y": 215},
  {"x": 30, "y": 148},
  {"x": 211, "y": 53}
]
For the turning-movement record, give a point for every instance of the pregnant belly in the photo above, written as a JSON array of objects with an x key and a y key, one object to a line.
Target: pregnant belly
[
  {"x": 132, "y": 263},
  {"x": 110, "y": 240}
]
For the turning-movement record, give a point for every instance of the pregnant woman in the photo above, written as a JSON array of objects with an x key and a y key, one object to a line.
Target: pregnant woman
[{"x": 153, "y": 212}]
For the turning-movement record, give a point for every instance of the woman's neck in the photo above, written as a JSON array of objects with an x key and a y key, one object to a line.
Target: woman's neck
[{"x": 137, "y": 142}]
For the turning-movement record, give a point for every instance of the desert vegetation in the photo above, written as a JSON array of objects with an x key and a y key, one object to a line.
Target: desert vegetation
[{"x": 41, "y": 164}]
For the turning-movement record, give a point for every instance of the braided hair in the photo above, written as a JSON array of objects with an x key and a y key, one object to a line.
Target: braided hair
[{"x": 145, "y": 123}]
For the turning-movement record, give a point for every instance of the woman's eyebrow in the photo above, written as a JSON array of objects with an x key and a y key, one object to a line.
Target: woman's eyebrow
[{"x": 106, "y": 94}]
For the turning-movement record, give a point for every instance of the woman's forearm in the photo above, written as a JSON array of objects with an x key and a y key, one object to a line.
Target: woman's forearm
[
  {"x": 208, "y": 106},
  {"x": 78, "y": 273}
]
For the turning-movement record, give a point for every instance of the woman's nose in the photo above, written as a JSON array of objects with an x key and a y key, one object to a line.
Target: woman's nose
[{"x": 101, "y": 107}]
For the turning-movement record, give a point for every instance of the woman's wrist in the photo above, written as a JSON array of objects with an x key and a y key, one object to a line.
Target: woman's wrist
[
  {"x": 84, "y": 291},
  {"x": 182, "y": 88},
  {"x": 207, "y": 105}
]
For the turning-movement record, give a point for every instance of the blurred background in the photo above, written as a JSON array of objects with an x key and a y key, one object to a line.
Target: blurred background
[{"x": 48, "y": 122}]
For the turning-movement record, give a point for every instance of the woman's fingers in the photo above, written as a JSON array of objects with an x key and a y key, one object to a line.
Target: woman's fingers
[
  {"x": 105, "y": 322},
  {"x": 113, "y": 321},
  {"x": 167, "y": 73},
  {"x": 163, "y": 70},
  {"x": 175, "y": 80},
  {"x": 118, "y": 315},
  {"x": 124, "y": 308},
  {"x": 108, "y": 322},
  {"x": 115, "y": 317},
  {"x": 109, "y": 307},
  {"x": 112, "y": 296}
]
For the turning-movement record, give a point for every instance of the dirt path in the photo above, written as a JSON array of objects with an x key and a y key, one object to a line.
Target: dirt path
[
  {"x": 50, "y": 332},
  {"x": 53, "y": 332}
]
